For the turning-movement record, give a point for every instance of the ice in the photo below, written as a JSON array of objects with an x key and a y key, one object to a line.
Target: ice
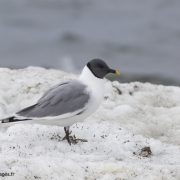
[{"x": 132, "y": 116}]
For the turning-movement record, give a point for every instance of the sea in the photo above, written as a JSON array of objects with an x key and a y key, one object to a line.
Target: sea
[{"x": 139, "y": 37}]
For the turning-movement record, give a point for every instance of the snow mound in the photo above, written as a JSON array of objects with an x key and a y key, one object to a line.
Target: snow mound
[{"x": 132, "y": 117}]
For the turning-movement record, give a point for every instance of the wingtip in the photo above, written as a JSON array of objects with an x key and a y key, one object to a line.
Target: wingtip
[{"x": 7, "y": 120}]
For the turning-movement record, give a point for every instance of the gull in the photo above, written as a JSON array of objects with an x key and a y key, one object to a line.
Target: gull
[{"x": 70, "y": 101}]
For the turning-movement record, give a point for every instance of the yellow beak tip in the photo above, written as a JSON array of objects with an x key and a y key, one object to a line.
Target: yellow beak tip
[{"x": 117, "y": 72}]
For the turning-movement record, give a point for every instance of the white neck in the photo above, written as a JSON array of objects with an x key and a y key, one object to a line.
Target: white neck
[
  {"x": 86, "y": 74},
  {"x": 88, "y": 78},
  {"x": 95, "y": 88}
]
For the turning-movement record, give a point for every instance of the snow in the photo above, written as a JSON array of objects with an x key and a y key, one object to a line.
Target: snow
[{"x": 132, "y": 116}]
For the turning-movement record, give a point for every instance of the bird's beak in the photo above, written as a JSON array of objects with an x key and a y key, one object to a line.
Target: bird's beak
[{"x": 116, "y": 72}]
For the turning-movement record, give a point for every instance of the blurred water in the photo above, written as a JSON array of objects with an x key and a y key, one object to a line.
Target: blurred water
[{"x": 139, "y": 36}]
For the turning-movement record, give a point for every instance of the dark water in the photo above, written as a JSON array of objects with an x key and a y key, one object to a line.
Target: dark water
[{"x": 140, "y": 37}]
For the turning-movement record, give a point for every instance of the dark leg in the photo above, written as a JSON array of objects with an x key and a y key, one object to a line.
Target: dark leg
[
  {"x": 71, "y": 139},
  {"x": 67, "y": 133}
]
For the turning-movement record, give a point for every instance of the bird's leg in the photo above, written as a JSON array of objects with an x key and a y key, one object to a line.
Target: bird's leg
[
  {"x": 67, "y": 133},
  {"x": 71, "y": 139}
]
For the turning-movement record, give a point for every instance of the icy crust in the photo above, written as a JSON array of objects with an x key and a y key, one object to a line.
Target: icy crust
[
  {"x": 132, "y": 116},
  {"x": 146, "y": 109}
]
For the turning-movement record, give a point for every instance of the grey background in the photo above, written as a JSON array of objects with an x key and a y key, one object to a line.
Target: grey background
[{"x": 141, "y": 37}]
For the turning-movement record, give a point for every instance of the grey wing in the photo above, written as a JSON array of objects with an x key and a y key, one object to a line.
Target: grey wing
[{"x": 64, "y": 98}]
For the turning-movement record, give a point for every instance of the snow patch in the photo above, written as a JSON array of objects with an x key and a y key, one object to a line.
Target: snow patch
[{"x": 132, "y": 116}]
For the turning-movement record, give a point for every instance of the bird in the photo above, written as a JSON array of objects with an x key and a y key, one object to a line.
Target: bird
[{"x": 70, "y": 101}]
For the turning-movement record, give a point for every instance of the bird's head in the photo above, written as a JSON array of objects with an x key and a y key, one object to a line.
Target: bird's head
[{"x": 100, "y": 69}]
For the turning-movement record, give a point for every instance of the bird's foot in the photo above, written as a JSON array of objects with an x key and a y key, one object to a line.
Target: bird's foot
[
  {"x": 71, "y": 139},
  {"x": 75, "y": 140}
]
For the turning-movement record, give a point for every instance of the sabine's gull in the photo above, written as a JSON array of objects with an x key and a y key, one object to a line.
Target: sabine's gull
[{"x": 70, "y": 101}]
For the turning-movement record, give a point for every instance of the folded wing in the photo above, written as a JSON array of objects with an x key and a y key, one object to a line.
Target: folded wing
[{"x": 66, "y": 98}]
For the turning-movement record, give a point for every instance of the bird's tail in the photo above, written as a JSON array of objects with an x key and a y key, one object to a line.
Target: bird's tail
[
  {"x": 13, "y": 119},
  {"x": 4, "y": 123},
  {"x": 8, "y": 120}
]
